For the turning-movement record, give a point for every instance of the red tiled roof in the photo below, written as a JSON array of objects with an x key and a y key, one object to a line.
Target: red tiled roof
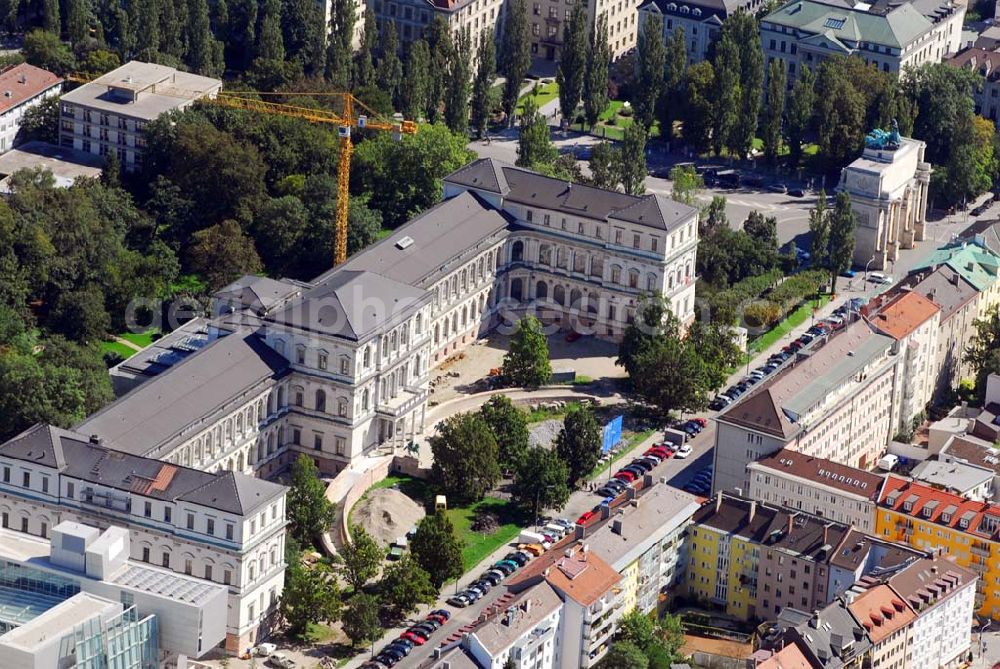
[
  {"x": 23, "y": 82},
  {"x": 881, "y": 612},
  {"x": 843, "y": 477},
  {"x": 789, "y": 657},
  {"x": 921, "y": 501},
  {"x": 903, "y": 314}
]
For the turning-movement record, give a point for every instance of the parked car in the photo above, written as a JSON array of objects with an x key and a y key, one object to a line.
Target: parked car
[
  {"x": 880, "y": 278},
  {"x": 778, "y": 188},
  {"x": 491, "y": 577},
  {"x": 797, "y": 192},
  {"x": 281, "y": 661},
  {"x": 582, "y": 520},
  {"x": 386, "y": 659},
  {"x": 684, "y": 452},
  {"x": 444, "y": 614},
  {"x": 719, "y": 403},
  {"x": 460, "y": 600},
  {"x": 263, "y": 649},
  {"x": 520, "y": 558}
]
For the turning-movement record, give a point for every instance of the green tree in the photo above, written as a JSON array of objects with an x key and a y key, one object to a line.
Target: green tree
[
  {"x": 201, "y": 46},
  {"x": 775, "y": 110},
  {"x": 80, "y": 315},
  {"x": 40, "y": 122},
  {"x": 364, "y": 59},
  {"x": 526, "y": 362},
  {"x": 271, "y": 43},
  {"x": 713, "y": 217},
  {"x": 340, "y": 46},
  {"x": 363, "y": 225},
  {"x": 310, "y": 513},
  {"x": 361, "y": 559},
  {"x": 389, "y": 73},
  {"x": 483, "y": 84},
  {"x": 514, "y": 54},
  {"x": 77, "y": 20},
  {"x": 687, "y": 185},
  {"x": 45, "y": 50},
  {"x": 801, "y": 103},
  {"x": 99, "y": 62},
  {"x": 673, "y": 81},
  {"x": 819, "y": 230},
  {"x": 509, "y": 426},
  {"x": 440, "y": 43},
  {"x": 360, "y": 619},
  {"x": 746, "y": 34},
  {"x": 637, "y": 628},
  {"x": 604, "y": 166},
  {"x": 405, "y": 585},
  {"x": 698, "y": 111},
  {"x": 417, "y": 72},
  {"x": 540, "y": 481},
  {"x": 579, "y": 443},
  {"x": 465, "y": 457},
  {"x": 222, "y": 253},
  {"x": 456, "y": 109},
  {"x": 436, "y": 548},
  {"x": 632, "y": 160},
  {"x": 624, "y": 655},
  {"x": 309, "y": 596},
  {"x": 595, "y": 83},
  {"x": 572, "y": 68},
  {"x": 728, "y": 94},
  {"x": 943, "y": 98},
  {"x": 971, "y": 168},
  {"x": 841, "y": 111},
  {"x": 51, "y": 21},
  {"x": 650, "y": 67},
  {"x": 841, "y": 237},
  {"x": 534, "y": 143}
]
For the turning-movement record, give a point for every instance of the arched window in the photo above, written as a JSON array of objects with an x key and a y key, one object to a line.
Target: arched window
[
  {"x": 516, "y": 289},
  {"x": 416, "y": 368},
  {"x": 365, "y": 400},
  {"x": 437, "y": 333},
  {"x": 465, "y": 315},
  {"x": 239, "y": 424},
  {"x": 270, "y": 443},
  {"x": 517, "y": 251},
  {"x": 545, "y": 254},
  {"x": 368, "y": 355},
  {"x": 300, "y": 354},
  {"x": 559, "y": 294},
  {"x": 482, "y": 268},
  {"x": 239, "y": 462},
  {"x": 260, "y": 450},
  {"x": 541, "y": 290},
  {"x": 592, "y": 301},
  {"x": 320, "y": 400},
  {"x": 342, "y": 407},
  {"x": 392, "y": 341},
  {"x": 633, "y": 278},
  {"x": 418, "y": 324},
  {"x": 299, "y": 396},
  {"x": 465, "y": 283},
  {"x": 650, "y": 282},
  {"x": 281, "y": 397},
  {"x": 616, "y": 274}
]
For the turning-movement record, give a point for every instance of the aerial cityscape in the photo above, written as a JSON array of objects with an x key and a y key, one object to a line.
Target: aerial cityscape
[{"x": 497, "y": 334}]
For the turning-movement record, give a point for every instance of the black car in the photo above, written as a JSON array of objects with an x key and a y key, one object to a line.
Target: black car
[
  {"x": 519, "y": 558},
  {"x": 389, "y": 658},
  {"x": 717, "y": 405},
  {"x": 504, "y": 567},
  {"x": 491, "y": 578},
  {"x": 644, "y": 466},
  {"x": 778, "y": 188},
  {"x": 404, "y": 646}
]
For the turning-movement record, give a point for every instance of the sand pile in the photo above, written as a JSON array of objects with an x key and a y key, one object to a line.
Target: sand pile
[{"x": 387, "y": 514}]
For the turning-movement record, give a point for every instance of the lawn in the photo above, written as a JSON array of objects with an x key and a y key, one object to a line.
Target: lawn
[
  {"x": 617, "y": 131},
  {"x": 475, "y": 545},
  {"x": 543, "y": 93},
  {"x": 142, "y": 339},
  {"x": 790, "y": 322},
  {"x": 114, "y": 347},
  {"x": 538, "y": 415}
]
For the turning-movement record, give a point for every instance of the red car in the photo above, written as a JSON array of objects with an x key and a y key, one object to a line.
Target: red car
[
  {"x": 701, "y": 421},
  {"x": 585, "y": 516},
  {"x": 661, "y": 453},
  {"x": 416, "y": 638},
  {"x": 623, "y": 475}
]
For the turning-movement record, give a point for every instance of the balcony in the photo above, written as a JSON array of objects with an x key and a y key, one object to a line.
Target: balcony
[
  {"x": 981, "y": 551},
  {"x": 979, "y": 566},
  {"x": 400, "y": 405}
]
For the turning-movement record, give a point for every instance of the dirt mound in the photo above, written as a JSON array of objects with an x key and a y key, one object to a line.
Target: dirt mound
[{"x": 387, "y": 514}]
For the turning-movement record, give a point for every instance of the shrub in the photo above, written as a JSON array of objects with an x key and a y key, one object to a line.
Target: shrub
[
  {"x": 762, "y": 313},
  {"x": 626, "y": 112}
]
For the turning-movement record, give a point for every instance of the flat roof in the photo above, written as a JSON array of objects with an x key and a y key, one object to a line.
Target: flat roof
[
  {"x": 65, "y": 164},
  {"x": 147, "y": 90},
  {"x": 58, "y": 620},
  {"x": 957, "y": 476}
]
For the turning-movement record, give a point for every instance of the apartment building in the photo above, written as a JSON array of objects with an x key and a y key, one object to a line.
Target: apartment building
[
  {"x": 830, "y": 637},
  {"x": 983, "y": 62},
  {"x": 223, "y": 528},
  {"x": 645, "y": 544},
  {"x": 592, "y": 601},
  {"x": 913, "y": 321},
  {"x": 887, "y": 619},
  {"x": 865, "y": 557},
  {"x": 79, "y": 598},
  {"x": 930, "y": 519},
  {"x": 886, "y": 35},
  {"x": 816, "y": 486},
  {"x": 755, "y": 559},
  {"x": 888, "y": 189},
  {"x": 526, "y": 634},
  {"x": 700, "y": 20},
  {"x": 412, "y": 18},
  {"x": 108, "y": 114},
  {"x": 23, "y": 86},
  {"x": 834, "y": 403},
  {"x": 970, "y": 481},
  {"x": 975, "y": 262},
  {"x": 943, "y": 596}
]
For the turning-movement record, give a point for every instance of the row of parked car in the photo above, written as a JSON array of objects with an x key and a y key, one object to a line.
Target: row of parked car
[
  {"x": 701, "y": 483},
  {"x": 416, "y": 635},
  {"x": 841, "y": 316},
  {"x": 490, "y": 578}
]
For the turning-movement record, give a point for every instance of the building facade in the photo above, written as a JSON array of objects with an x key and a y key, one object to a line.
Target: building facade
[
  {"x": 413, "y": 18},
  {"x": 888, "y": 189},
  {"x": 835, "y": 404},
  {"x": 888, "y": 36},
  {"x": 527, "y": 633},
  {"x": 984, "y": 63},
  {"x": 108, "y": 115},
  {"x": 24, "y": 86},
  {"x": 224, "y": 528},
  {"x": 700, "y": 21},
  {"x": 817, "y": 486}
]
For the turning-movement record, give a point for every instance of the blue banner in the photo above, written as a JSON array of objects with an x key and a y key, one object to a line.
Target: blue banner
[{"x": 612, "y": 434}]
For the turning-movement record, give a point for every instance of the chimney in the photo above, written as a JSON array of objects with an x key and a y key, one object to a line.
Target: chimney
[
  {"x": 527, "y": 606},
  {"x": 791, "y": 520},
  {"x": 22, "y": 79},
  {"x": 616, "y": 526},
  {"x": 718, "y": 501},
  {"x": 753, "y": 510},
  {"x": 826, "y": 534},
  {"x": 95, "y": 439}
]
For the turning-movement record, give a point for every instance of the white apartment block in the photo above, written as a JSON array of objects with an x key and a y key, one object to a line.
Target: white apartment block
[
  {"x": 526, "y": 633},
  {"x": 108, "y": 115},
  {"x": 835, "y": 403},
  {"x": 820, "y": 487},
  {"x": 222, "y": 528},
  {"x": 888, "y": 36},
  {"x": 22, "y": 86},
  {"x": 412, "y": 18}
]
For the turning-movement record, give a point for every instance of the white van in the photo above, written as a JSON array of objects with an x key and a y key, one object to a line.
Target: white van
[
  {"x": 878, "y": 277},
  {"x": 888, "y": 462}
]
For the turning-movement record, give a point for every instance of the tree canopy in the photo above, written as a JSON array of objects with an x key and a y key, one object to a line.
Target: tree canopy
[
  {"x": 436, "y": 548},
  {"x": 465, "y": 457},
  {"x": 579, "y": 443},
  {"x": 526, "y": 362}
]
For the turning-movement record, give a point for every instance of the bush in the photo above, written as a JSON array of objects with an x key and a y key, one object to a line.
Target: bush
[
  {"x": 762, "y": 313},
  {"x": 626, "y": 112},
  {"x": 796, "y": 288}
]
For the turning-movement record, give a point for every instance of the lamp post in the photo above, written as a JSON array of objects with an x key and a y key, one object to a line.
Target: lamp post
[
  {"x": 867, "y": 265},
  {"x": 982, "y": 629}
]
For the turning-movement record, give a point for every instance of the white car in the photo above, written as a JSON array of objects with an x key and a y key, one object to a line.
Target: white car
[
  {"x": 683, "y": 452},
  {"x": 878, "y": 277},
  {"x": 263, "y": 650},
  {"x": 281, "y": 661}
]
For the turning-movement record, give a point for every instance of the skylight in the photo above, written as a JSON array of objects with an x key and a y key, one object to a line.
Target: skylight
[{"x": 835, "y": 23}]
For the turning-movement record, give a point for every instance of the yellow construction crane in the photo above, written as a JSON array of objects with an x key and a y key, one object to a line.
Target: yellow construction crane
[{"x": 346, "y": 121}]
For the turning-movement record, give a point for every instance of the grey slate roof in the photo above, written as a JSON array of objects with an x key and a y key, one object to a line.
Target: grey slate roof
[
  {"x": 709, "y": 8},
  {"x": 257, "y": 293},
  {"x": 442, "y": 236},
  {"x": 152, "y": 414},
  {"x": 73, "y": 455},
  {"x": 351, "y": 304},
  {"x": 537, "y": 190}
]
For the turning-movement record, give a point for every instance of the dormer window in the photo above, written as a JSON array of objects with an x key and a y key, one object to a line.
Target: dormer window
[{"x": 696, "y": 12}]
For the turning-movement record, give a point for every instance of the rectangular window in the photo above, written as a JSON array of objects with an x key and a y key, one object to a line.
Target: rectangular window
[
  {"x": 227, "y": 577},
  {"x": 6, "y": 474},
  {"x": 166, "y": 560},
  {"x": 145, "y": 553},
  {"x": 210, "y": 526},
  {"x": 45, "y": 484},
  {"x": 190, "y": 521},
  {"x": 296, "y": 436},
  {"x": 24, "y": 524},
  {"x": 166, "y": 514},
  {"x": 229, "y": 531},
  {"x": 322, "y": 361},
  {"x": 618, "y": 236},
  {"x": 635, "y": 241},
  {"x": 26, "y": 479},
  {"x": 208, "y": 572},
  {"x": 187, "y": 567},
  {"x": 148, "y": 510},
  {"x": 70, "y": 489},
  {"x": 654, "y": 244},
  {"x": 345, "y": 366},
  {"x": 318, "y": 442}
]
